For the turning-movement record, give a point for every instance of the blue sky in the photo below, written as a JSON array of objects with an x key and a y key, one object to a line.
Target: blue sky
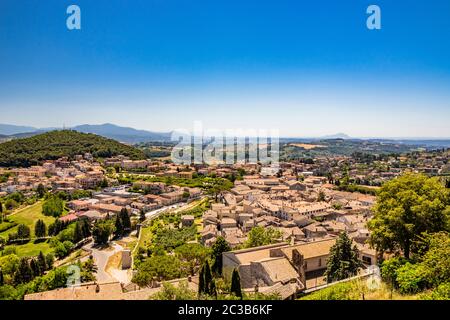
[{"x": 307, "y": 68}]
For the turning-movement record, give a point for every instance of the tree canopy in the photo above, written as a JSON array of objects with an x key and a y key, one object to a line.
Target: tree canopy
[
  {"x": 406, "y": 207},
  {"x": 343, "y": 261},
  {"x": 259, "y": 236},
  {"x": 62, "y": 143}
]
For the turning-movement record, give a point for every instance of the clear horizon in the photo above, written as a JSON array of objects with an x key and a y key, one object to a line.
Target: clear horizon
[{"x": 306, "y": 69}]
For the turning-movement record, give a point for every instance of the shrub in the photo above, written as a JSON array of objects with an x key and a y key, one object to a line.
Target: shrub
[
  {"x": 411, "y": 278},
  {"x": 389, "y": 269},
  {"x": 442, "y": 292}
]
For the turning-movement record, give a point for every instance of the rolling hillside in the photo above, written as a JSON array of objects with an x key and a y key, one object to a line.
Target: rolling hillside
[{"x": 54, "y": 144}]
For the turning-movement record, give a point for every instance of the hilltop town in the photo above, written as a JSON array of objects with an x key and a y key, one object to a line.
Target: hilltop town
[{"x": 134, "y": 226}]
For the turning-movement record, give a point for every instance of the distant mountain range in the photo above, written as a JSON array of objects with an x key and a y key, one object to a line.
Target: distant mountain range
[
  {"x": 108, "y": 130},
  {"x": 123, "y": 134},
  {"x": 9, "y": 129},
  {"x": 131, "y": 136}
]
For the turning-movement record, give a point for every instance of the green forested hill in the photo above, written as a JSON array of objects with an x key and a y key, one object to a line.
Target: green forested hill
[{"x": 55, "y": 144}]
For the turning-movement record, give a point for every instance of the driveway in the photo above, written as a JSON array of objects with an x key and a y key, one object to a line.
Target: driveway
[{"x": 101, "y": 256}]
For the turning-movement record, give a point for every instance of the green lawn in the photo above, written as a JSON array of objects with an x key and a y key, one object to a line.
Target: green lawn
[
  {"x": 28, "y": 216},
  {"x": 32, "y": 249}
]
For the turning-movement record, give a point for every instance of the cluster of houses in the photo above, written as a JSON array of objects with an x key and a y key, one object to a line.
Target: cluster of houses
[
  {"x": 111, "y": 201},
  {"x": 59, "y": 175},
  {"x": 301, "y": 211}
]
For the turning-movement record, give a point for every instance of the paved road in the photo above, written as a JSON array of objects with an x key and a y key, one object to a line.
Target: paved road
[
  {"x": 101, "y": 257},
  {"x": 154, "y": 213}
]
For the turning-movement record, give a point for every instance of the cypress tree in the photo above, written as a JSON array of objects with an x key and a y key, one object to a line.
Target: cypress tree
[
  {"x": 40, "y": 230},
  {"x": 126, "y": 222},
  {"x": 34, "y": 266},
  {"x": 41, "y": 262},
  {"x": 142, "y": 216},
  {"x": 85, "y": 228},
  {"x": 236, "y": 284},
  {"x": 219, "y": 247},
  {"x": 77, "y": 233},
  {"x": 40, "y": 190},
  {"x": 343, "y": 261},
  {"x": 2, "y": 281},
  {"x": 201, "y": 281},
  {"x": 23, "y": 231},
  {"x": 208, "y": 278},
  {"x": 119, "y": 227},
  {"x": 213, "y": 289},
  {"x": 23, "y": 273}
]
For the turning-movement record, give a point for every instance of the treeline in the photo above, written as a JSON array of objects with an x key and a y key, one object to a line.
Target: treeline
[{"x": 55, "y": 144}]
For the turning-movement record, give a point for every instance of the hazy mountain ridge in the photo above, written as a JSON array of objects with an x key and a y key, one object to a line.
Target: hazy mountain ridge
[{"x": 133, "y": 136}]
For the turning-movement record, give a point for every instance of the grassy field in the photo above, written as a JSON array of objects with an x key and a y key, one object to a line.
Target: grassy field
[
  {"x": 357, "y": 290},
  {"x": 32, "y": 249},
  {"x": 28, "y": 216}
]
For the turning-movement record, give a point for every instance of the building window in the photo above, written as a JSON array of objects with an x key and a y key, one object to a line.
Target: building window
[
  {"x": 320, "y": 262},
  {"x": 367, "y": 260}
]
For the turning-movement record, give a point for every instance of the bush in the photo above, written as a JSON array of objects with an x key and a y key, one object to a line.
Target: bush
[
  {"x": 442, "y": 292},
  {"x": 53, "y": 206},
  {"x": 340, "y": 291},
  {"x": 389, "y": 269},
  {"x": 411, "y": 278}
]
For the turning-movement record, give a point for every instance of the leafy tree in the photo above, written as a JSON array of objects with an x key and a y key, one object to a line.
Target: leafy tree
[
  {"x": 192, "y": 255},
  {"x": 1, "y": 208},
  {"x": 321, "y": 196},
  {"x": 219, "y": 247},
  {"x": 236, "y": 284},
  {"x": 436, "y": 260},
  {"x": 49, "y": 259},
  {"x": 411, "y": 278},
  {"x": 11, "y": 204},
  {"x": 171, "y": 292},
  {"x": 53, "y": 206},
  {"x": 88, "y": 270},
  {"x": 2, "y": 281},
  {"x": 9, "y": 263},
  {"x": 406, "y": 207},
  {"x": 62, "y": 249},
  {"x": 56, "y": 227},
  {"x": 259, "y": 236},
  {"x": 104, "y": 183},
  {"x": 158, "y": 268},
  {"x": 442, "y": 292},
  {"x": 343, "y": 261},
  {"x": 389, "y": 269},
  {"x": 23, "y": 232},
  {"x": 40, "y": 229},
  {"x": 102, "y": 231}
]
